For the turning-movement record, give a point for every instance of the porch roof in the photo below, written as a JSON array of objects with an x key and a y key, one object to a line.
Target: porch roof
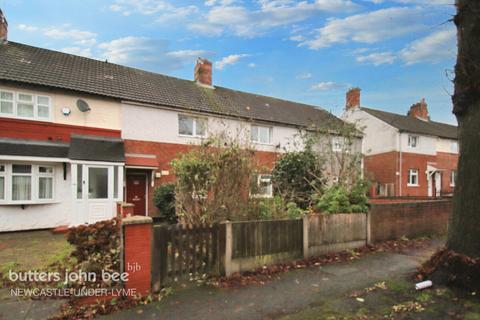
[{"x": 31, "y": 148}]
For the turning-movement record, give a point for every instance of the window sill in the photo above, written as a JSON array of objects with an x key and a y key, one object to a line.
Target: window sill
[
  {"x": 187, "y": 136},
  {"x": 413, "y": 185},
  {"x": 261, "y": 196},
  {"x": 452, "y": 185},
  {"x": 27, "y": 203},
  {"x": 263, "y": 144}
]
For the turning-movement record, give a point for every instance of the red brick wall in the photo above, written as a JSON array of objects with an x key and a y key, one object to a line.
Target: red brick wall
[
  {"x": 166, "y": 152},
  {"x": 447, "y": 161},
  {"x": 382, "y": 168},
  {"x": 414, "y": 219},
  {"x": 137, "y": 256},
  {"x": 419, "y": 162},
  {"x": 40, "y": 130}
]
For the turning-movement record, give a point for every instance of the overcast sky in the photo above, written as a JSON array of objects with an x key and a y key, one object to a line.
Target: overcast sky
[{"x": 310, "y": 51}]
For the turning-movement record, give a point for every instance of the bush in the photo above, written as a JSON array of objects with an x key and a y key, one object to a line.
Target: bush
[
  {"x": 268, "y": 209},
  {"x": 97, "y": 248},
  {"x": 164, "y": 200},
  {"x": 294, "y": 212},
  {"x": 334, "y": 200},
  {"x": 297, "y": 176},
  {"x": 338, "y": 199}
]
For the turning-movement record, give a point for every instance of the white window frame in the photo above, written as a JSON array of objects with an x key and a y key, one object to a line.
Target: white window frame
[
  {"x": 34, "y": 184},
  {"x": 35, "y": 104},
  {"x": 48, "y": 175},
  {"x": 412, "y": 173},
  {"x": 266, "y": 177},
  {"x": 195, "y": 119},
  {"x": 260, "y": 127},
  {"x": 3, "y": 174},
  {"x": 453, "y": 178},
  {"x": 413, "y": 141},
  {"x": 337, "y": 144},
  {"x": 454, "y": 147}
]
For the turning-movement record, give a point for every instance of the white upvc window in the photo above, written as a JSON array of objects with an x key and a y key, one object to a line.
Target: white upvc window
[
  {"x": 454, "y": 147},
  {"x": 24, "y": 105},
  {"x": 192, "y": 126},
  {"x": 264, "y": 186},
  {"x": 337, "y": 144},
  {"x": 412, "y": 177},
  {"x": 22, "y": 183},
  {"x": 2, "y": 181},
  {"x": 412, "y": 141},
  {"x": 261, "y": 134},
  {"x": 453, "y": 178}
]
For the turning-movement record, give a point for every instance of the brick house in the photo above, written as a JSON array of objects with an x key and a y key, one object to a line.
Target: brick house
[
  {"x": 405, "y": 155},
  {"x": 78, "y": 135}
]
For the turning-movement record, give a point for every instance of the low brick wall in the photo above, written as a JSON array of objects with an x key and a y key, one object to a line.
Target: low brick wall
[{"x": 411, "y": 219}]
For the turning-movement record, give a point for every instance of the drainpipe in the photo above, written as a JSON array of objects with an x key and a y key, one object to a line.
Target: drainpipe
[{"x": 400, "y": 163}]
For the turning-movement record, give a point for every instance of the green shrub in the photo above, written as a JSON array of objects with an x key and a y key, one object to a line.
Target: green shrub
[
  {"x": 297, "y": 176},
  {"x": 338, "y": 199},
  {"x": 164, "y": 200},
  {"x": 293, "y": 211},
  {"x": 334, "y": 200},
  {"x": 269, "y": 208}
]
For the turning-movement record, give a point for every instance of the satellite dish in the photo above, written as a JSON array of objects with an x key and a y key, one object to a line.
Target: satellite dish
[{"x": 82, "y": 105}]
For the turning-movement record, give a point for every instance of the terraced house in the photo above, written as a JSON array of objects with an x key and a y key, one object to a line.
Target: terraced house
[
  {"x": 406, "y": 155},
  {"x": 78, "y": 135}
]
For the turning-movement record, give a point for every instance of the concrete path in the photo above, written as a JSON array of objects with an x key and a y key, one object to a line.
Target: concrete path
[
  {"x": 294, "y": 290},
  {"x": 16, "y": 308}
]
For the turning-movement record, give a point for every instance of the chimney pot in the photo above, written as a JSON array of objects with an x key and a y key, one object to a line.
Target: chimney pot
[
  {"x": 419, "y": 110},
  {"x": 3, "y": 27},
  {"x": 353, "y": 98},
  {"x": 203, "y": 72}
]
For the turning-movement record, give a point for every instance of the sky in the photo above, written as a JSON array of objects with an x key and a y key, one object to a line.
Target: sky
[{"x": 311, "y": 51}]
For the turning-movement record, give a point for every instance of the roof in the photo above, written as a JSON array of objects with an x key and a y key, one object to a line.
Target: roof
[
  {"x": 86, "y": 148},
  {"x": 415, "y": 125},
  {"x": 94, "y": 148},
  {"x": 27, "y": 64},
  {"x": 31, "y": 148}
]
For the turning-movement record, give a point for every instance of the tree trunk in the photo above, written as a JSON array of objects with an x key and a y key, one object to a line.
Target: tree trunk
[{"x": 464, "y": 229}]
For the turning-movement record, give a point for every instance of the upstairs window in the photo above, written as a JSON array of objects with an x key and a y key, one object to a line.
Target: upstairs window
[
  {"x": 412, "y": 141},
  {"x": 24, "y": 105},
  {"x": 454, "y": 146},
  {"x": 261, "y": 134},
  {"x": 192, "y": 126},
  {"x": 412, "y": 177}
]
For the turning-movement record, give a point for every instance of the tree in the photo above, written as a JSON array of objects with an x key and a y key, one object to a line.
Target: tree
[{"x": 464, "y": 228}]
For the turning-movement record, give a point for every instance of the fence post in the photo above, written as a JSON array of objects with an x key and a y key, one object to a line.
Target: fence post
[
  {"x": 228, "y": 249},
  {"x": 305, "y": 237},
  {"x": 137, "y": 241}
]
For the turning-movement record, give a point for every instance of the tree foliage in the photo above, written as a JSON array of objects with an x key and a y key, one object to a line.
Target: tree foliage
[
  {"x": 298, "y": 175},
  {"x": 164, "y": 200}
]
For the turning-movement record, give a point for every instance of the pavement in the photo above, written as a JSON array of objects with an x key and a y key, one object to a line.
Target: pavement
[{"x": 292, "y": 292}]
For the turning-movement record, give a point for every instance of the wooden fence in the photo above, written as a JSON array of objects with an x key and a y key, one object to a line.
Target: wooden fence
[
  {"x": 336, "y": 232},
  {"x": 182, "y": 251}
]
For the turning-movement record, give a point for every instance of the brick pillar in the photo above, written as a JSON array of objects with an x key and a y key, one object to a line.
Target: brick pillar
[
  {"x": 124, "y": 209},
  {"x": 137, "y": 241}
]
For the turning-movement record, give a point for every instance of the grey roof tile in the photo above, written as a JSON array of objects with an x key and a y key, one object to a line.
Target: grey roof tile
[
  {"x": 414, "y": 125},
  {"x": 27, "y": 64}
]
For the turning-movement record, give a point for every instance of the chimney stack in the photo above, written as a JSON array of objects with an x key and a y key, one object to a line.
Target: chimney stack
[
  {"x": 3, "y": 28},
  {"x": 353, "y": 98},
  {"x": 203, "y": 72},
  {"x": 419, "y": 110}
]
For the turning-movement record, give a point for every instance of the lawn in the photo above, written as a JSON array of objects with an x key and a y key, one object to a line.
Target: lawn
[
  {"x": 31, "y": 250},
  {"x": 396, "y": 299}
]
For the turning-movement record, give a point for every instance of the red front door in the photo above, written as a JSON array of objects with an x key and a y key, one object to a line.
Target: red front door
[{"x": 136, "y": 193}]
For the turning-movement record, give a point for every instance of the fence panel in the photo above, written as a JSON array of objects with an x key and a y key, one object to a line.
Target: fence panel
[
  {"x": 181, "y": 251},
  {"x": 259, "y": 238},
  {"x": 336, "y": 232}
]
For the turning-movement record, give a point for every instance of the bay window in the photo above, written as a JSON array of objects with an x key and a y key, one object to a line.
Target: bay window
[
  {"x": 24, "y": 105},
  {"x": 26, "y": 183}
]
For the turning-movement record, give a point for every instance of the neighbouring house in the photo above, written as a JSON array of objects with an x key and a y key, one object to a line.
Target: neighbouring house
[
  {"x": 79, "y": 135},
  {"x": 405, "y": 155}
]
